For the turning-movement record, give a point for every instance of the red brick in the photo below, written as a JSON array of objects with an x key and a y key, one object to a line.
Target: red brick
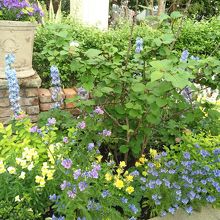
[
  {"x": 31, "y": 92},
  {"x": 3, "y": 93},
  {"x": 33, "y": 110},
  {"x": 69, "y": 94},
  {"x": 4, "y": 102},
  {"x": 29, "y": 101},
  {"x": 74, "y": 111},
  {"x": 22, "y": 93},
  {"x": 44, "y": 95},
  {"x": 46, "y": 106}
]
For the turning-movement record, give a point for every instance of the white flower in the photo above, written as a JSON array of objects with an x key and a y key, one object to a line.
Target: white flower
[
  {"x": 31, "y": 166},
  {"x": 22, "y": 176},
  {"x": 74, "y": 44},
  {"x": 11, "y": 170},
  {"x": 17, "y": 198}
]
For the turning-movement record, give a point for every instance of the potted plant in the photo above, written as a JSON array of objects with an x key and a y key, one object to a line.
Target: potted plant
[{"x": 17, "y": 27}]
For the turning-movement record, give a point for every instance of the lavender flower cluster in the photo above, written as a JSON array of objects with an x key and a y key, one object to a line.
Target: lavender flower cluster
[
  {"x": 183, "y": 182},
  {"x": 13, "y": 85},
  {"x": 56, "y": 87},
  {"x": 19, "y": 10}
]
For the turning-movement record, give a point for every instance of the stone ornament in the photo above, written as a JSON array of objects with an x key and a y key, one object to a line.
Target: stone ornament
[{"x": 18, "y": 38}]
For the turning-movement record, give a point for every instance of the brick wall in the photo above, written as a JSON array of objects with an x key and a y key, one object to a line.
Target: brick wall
[{"x": 33, "y": 101}]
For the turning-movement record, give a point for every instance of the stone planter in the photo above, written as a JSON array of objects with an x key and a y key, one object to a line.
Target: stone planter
[{"x": 18, "y": 38}]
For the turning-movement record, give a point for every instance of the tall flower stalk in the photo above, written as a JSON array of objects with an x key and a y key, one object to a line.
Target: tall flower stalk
[
  {"x": 56, "y": 87},
  {"x": 13, "y": 85}
]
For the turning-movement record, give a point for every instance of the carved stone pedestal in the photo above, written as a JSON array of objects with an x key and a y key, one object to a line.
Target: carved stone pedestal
[{"x": 29, "y": 98}]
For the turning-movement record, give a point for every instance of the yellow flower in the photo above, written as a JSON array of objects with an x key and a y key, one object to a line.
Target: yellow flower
[
  {"x": 21, "y": 162},
  {"x": 129, "y": 189},
  {"x": 11, "y": 170},
  {"x": 129, "y": 178},
  {"x": 142, "y": 160},
  {"x": 40, "y": 180},
  {"x": 137, "y": 164},
  {"x": 144, "y": 173},
  {"x": 108, "y": 176},
  {"x": 2, "y": 167},
  {"x": 99, "y": 158},
  {"x": 29, "y": 154},
  {"x": 119, "y": 171},
  {"x": 157, "y": 164},
  {"x": 50, "y": 174},
  {"x": 119, "y": 183},
  {"x": 122, "y": 164},
  {"x": 22, "y": 175},
  {"x": 126, "y": 173},
  {"x": 153, "y": 153}
]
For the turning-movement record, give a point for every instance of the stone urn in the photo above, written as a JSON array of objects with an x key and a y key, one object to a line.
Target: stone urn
[{"x": 17, "y": 37}]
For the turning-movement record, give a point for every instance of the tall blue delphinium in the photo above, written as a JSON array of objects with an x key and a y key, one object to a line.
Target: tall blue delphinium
[
  {"x": 139, "y": 45},
  {"x": 56, "y": 87},
  {"x": 13, "y": 85}
]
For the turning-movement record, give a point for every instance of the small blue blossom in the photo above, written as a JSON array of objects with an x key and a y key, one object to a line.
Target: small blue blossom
[
  {"x": 124, "y": 200},
  {"x": 186, "y": 155},
  {"x": 105, "y": 193},
  {"x": 204, "y": 153},
  {"x": 211, "y": 199},
  {"x": 133, "y": 208},
  {"x": 171, "y": 210},
  {"x": 139, "y": 45},
  {"x": 189, "y": 209},
  {"x": 184, "y": 56}
]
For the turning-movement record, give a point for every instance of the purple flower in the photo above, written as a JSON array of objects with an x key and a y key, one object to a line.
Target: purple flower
[
  {"x": 134, "y": 173},
  {"x": 67, "y": 163},
  {"x": 90, "y": 146},
  {"x": 210, "y": 199},
  {"x": 189, "y": 209},
  {"x": 82, "y": 93},
  {"x": 51, "y": 121},
  {"x": 33, "y": 129},
  {"x": 77, "y": 174},
  {"x": 164, "y": 154},
  {"x": 93, "y": 174},
  {"x": 82, "y": 186},
  {"x": 96, "y": 166},
  {"x": 106, "y": 133},
  {"x": 133, "y": 208},
  {"x": 99, "y": 111},
  {"x": 71, "y": 194},
  {"x": 65, "y": 140},
  {"x": 64, "y": 185},
  {"x": 171, "y": 210},
  {"x": 81, "y": 125}
]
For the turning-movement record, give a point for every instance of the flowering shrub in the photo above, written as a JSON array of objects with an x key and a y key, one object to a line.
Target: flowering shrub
[{"x": 20, "y": 10}]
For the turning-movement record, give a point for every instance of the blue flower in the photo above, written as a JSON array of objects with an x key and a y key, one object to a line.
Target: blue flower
[
  {"x": 216, "y": 173},
  {"x": 216, "y": 151},
  {"x": 105, "y": 193},
  {"x": 139, "y": 45},
  {"x": 82, "y": 186},
  {"x": 189, "y": 209},
  {"x": 184, "y": 56},
  {"x": 204, "y": 153},
  {"x": 171, "y": 210},
  {"x": 210, "y": 199},
  {"x": 185, "y": 201},
  {"x": 133, "y": 208},
  {"x": 163, "y": 213},
  {"x": 186, "y": 155},
  {"x": 90, "y": 146},
  {"x": 56, "y": 87},
  {"x": 124, "y": 200},
  {"x": 13, "y": 85},
  {"x": 53, "y": 197}
]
